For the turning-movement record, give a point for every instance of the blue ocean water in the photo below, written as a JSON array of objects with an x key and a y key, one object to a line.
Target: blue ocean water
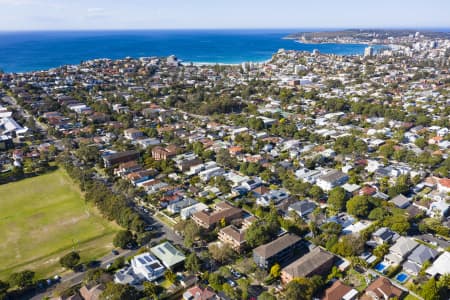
[{"x": 41, "y": 50}]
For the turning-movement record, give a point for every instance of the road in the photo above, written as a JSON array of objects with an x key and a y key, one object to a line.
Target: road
[
  {"x": 429, "y": 238},
  {"x": 13, "y": 102},
  {"x": 77, "y": 277}
]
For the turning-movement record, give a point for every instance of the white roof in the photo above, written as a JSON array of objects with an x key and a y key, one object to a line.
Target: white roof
[{"x": 441, "y": 265}]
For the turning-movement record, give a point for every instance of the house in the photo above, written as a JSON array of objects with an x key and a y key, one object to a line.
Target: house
[
  {"x": 210, "y": 173},
  {"x": 92, "y": 292},
  {"x": 178, "y": 206},
  {"x": 282, "y": 250},
  {"x": 187, "y": 212},
  {"x": 438, "y": 208},
  {"x": 127, "y": 167},
  {"x": 401, "y": 201},
  {"x": 331, "y": 180},
  {"x": 160, "y": 153},
  {"x": 418, "y": 257},
  {"x": 6, "y": 143},
  {"x": 222, "y": 211},
  {"x": 233, "y": 236},
  {"x": 400, "y": 250},
  {"x": 317, "y": 262},
  {"x": 168, "y": 255},
  {"x": 132, "y": 134},
  {"x": 440, "y": 266},
  {"x": 382, "y": 288},
  {"x": 302, "y": 208},
  {"x": 143, "y": 267},
  {"x": 443, "y": 185},
  {"x": 113, "y": 159},
  {"x": 340, "y": 291},
  {"x": 272, "y": 196},
  {"x": 198, "y": 293},
  {"x": 384, "y": 235}
]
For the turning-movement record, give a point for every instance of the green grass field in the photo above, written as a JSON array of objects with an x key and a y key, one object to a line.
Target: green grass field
[{"x": 43, "y": 218}]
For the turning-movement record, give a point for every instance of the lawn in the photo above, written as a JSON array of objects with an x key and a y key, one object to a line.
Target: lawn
[{"x": 43, "y": 218}]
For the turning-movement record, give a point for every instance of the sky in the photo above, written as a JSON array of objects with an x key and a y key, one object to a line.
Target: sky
[{"x": 215, "y": 14}]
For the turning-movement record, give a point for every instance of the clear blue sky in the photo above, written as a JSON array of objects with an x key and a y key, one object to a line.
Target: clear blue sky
[{"x": 157, "y": 14}]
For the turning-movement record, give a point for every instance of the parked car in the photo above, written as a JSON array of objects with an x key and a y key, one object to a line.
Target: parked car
[{"x": 115, "y": 252}]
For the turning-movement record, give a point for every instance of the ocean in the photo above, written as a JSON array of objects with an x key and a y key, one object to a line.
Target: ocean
[{"x": 42, "y": 50}]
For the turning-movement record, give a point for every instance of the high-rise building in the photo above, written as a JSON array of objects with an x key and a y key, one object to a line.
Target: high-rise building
[{"x": 368, "y": 52}]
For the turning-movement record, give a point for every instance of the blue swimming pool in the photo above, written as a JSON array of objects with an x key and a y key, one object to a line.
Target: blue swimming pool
[
  {"x": 380, "y": 267},
  {"x": 402, "y": 277}
]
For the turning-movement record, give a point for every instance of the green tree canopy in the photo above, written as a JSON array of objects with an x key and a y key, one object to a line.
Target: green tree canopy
[
  {"x": 358, "y": 206},
  {"x": 123, "y": 238},
  {"x": 336, "y": 199},
  {"x": 70, "y": 260}
]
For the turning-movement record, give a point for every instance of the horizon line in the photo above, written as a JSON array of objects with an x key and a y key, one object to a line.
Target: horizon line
[{"x": 428, "y": 28}]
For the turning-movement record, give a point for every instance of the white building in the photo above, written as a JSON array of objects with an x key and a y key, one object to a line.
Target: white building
[
  {"x": 187, "y": 212},
  {"x": 147, "y": 267}
]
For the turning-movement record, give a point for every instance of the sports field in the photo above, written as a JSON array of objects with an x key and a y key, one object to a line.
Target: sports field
[{"x": 43, "y": 218}]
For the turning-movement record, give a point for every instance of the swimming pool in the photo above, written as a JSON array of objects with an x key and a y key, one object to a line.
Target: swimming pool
[
  {"x": 402, "y": 277},
  {"x": 380, "y": 267}
]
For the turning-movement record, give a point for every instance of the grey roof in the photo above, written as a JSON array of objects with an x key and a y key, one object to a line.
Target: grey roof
[
  {"x": 411, "y": 267},
  {"x": 422, "y": 254},
  {"x": 332, "y": 176},
  {"x": 400, "y": 201},
  {"x": 384, "y": 233},
  {"x": 403, "y": 246},
  {"x": 302, "y": 206},
  {"x": 274, "y": 247}
]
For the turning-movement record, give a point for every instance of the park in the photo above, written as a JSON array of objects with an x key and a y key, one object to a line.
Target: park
[{"x": 43, "y": 218}]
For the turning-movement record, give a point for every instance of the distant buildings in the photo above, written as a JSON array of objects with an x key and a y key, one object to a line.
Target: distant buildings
[{"x": 368, "y": 51}]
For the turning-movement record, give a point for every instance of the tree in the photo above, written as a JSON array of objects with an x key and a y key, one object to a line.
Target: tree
[
  {"x": 221, "y": 253},
  {"x": 358, "y": 206},
  {"x": 349, "y": 245},
  {"x": 191, "y": 232},
  {"x": 299, "y": 288},
  {"x": 150, "y": 289},
  {"x": 215, "y": 281},
  {"x": 377, "y": 213},
  {"x": 114, "y": 291},
  {"x": 170, "y": 276},
  {"x": 398, "y": 223},
  {"x": 224, "y": 158},
  {"x": 315, "y": 192},
  {"x": 123, "y": 238},
  {"x": 96, "y": 275},
  {"x": 266, "y": 296},
  {"x": 336, "y": 199},
  {"x": 275, "y": 271},
  {"x": 381, "y": 250},
  {"x": 230, "y": 291},
  {"x": 4, "y": 286},
  {"x": 70, "y": 260},
  {"x": 22, "y": 279},
  {"x": 243, "y": 285},
  {"x": 192, "y": 263},
  {"x": 430, "y": 290}
]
